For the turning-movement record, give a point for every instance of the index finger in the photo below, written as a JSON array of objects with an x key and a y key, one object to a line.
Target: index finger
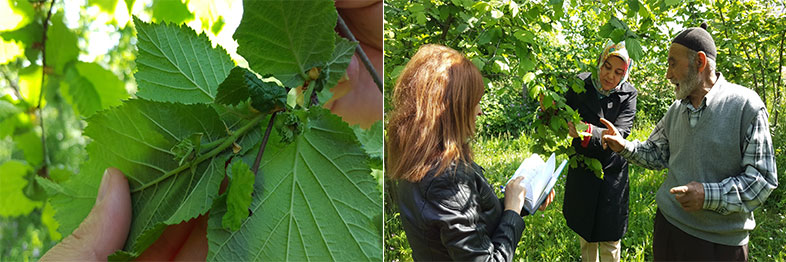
[{"x": 608, "y": 125}]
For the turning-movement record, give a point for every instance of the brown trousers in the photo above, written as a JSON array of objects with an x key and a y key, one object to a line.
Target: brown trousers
[{"x": 669, "y": 243}]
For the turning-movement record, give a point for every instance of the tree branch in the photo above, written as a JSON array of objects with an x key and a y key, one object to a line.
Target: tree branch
[
  {"x": 225, "y": 143},
  {"x": 359, "y": 50},
  {"x": 255, "y": 167},
  {"x": 44, "y": 168}
]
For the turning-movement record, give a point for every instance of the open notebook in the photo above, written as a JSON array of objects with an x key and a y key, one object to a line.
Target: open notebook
[{"x": 539, "y": 178}]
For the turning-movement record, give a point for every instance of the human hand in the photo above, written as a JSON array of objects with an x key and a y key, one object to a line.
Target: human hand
[
  {"x": 611, "y": 137},
  {"x": 105, "y": 229},
  {"x": 514, "y": 195},
  {"x": 356, "y": 98},
  {"x": 572, "y": 130},
  {"x": 547, "y": 201},
  {"x": 690, "y": 196}
]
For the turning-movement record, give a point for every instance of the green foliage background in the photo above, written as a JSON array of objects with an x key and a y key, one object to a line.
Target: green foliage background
[{"x": 525, "y": 48}]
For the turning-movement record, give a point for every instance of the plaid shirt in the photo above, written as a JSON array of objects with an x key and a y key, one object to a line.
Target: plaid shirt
[{"x": 741, "y": 193}]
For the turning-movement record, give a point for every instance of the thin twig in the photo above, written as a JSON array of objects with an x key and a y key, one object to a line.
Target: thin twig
[
  {"x": 225, "y": 143},
  {"x": 359, "y": 50},
  {"x": 255, "y": 167},
  {"x": 41, "y": 92},
  {"x": 13, "y": 84}
]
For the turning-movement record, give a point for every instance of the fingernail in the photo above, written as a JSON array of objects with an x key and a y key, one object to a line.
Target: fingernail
[{"x": 103, "y": 187}]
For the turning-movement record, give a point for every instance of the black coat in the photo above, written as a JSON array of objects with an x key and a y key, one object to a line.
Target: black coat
[
  {"x": 457, "y": 216},
  {"x": 598, "y": 209}
]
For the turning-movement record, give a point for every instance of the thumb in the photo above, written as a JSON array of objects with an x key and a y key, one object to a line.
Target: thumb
[
  {"x": 679, "y": 190},
  {"x": 105, "y": 229}
]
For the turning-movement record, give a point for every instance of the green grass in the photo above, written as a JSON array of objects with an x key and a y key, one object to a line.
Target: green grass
[{"x": 547, "y": 237}]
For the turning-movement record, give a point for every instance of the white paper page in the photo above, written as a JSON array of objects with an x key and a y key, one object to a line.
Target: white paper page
[
  {"x": 554, "y": 178},
  {"x": 529, "y": 168},
  {"x": 538, "y": 182}
]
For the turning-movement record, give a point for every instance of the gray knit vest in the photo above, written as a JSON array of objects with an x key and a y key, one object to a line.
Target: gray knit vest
[{"x": 709, "y": 152}]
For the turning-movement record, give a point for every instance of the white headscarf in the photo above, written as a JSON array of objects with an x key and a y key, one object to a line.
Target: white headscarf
[{"x": 609, "y": 50}]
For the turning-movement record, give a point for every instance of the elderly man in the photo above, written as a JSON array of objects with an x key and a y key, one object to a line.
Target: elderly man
[{"x": 716, "y": 143}]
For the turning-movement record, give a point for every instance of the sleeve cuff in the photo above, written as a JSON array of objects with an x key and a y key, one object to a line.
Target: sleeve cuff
[
  {"x": 627, "y": 150},
  {"x": 508, "y": 216},
  {"x": 586, "y": 140},
  {"x": 712, "y": 196}
]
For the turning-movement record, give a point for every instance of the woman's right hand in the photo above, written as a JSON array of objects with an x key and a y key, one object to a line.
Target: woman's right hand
[{"x": 514, "y": 195}]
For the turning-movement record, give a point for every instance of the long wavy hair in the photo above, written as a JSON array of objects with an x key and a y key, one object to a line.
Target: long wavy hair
[{"x": 432, "y": 121}]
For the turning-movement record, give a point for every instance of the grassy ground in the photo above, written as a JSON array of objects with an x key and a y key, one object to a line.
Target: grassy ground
[{"x": 547, "y": 238}]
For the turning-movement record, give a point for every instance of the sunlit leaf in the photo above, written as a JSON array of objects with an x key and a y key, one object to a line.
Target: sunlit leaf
[
  {"x": 286, "y": 38},
  {"x": 173, "y": 11},
  {"x": 13, "y": 201},
  {"x": 91, "y": 88},
  {"x": 61, "y": 45},
  {"x": 634, "y": 48},
  {"x": 15, "y": 14},
  {"x": 177, "y": 65}
]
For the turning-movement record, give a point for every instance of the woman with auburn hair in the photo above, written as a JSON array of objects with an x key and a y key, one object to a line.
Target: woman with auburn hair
[{"x": 449, "y": 210}]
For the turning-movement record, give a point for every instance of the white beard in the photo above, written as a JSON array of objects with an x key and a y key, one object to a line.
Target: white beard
[{"x": 687, "y": 85}]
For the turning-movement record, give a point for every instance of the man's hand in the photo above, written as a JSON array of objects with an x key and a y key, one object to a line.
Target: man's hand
[
  {"x": 690, "y": 196},
  {"x": 611, "y": 137}
]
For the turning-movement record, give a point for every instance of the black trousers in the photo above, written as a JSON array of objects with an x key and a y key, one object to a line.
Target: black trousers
[{"x": 669, "y": 243}]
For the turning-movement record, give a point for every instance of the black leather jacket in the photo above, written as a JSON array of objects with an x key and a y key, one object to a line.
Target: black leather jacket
[{"x": 457, "y": 216}]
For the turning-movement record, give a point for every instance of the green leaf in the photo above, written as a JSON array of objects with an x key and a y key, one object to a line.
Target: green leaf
[
  {"x": 336, "y": 67},
  {"x": 173, "y": 11},
  {"x": 286, "y": 38},
  {"x": 314, "y": 199},
  {"x": 633, "y": 7},
  {"x": 61, "y": 45},
  {"x": 672, "y": 2},
  {"x": 595, "y": 166},
  {"x": 13, "y": 201},
  {"x": 48, "y": 219},
  {"x": 371, "y": 139},
  {"x": 524, "y": 36},
  {"x": 241, "y": 184},
  {"x": 177, "y": 65},
  {"x": 605, "y": 30},
  {"x": 634, "y": 49},
  {"x": 30, "y": 144},
  {"x": 91, "y": 88},
  {"x": 241, "y": 83},
  {"x": 7, "y": 109},
  {"x": 265, "y": 96},
  {"x": 28, "y": 36},
  {"x": 136, "y": 138},
  {"x": 617, "y": 35},
  {"x": 234, "y": 88}
]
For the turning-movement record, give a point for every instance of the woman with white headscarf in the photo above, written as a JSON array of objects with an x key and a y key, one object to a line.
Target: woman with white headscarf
[{"x": 597, "y": 209}]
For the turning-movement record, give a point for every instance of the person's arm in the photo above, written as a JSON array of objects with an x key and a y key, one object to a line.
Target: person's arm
[
  {"x": 650, "y": 154},
  {"x": 748, "y": 190},
  {"x": 454, "y": 210}
]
